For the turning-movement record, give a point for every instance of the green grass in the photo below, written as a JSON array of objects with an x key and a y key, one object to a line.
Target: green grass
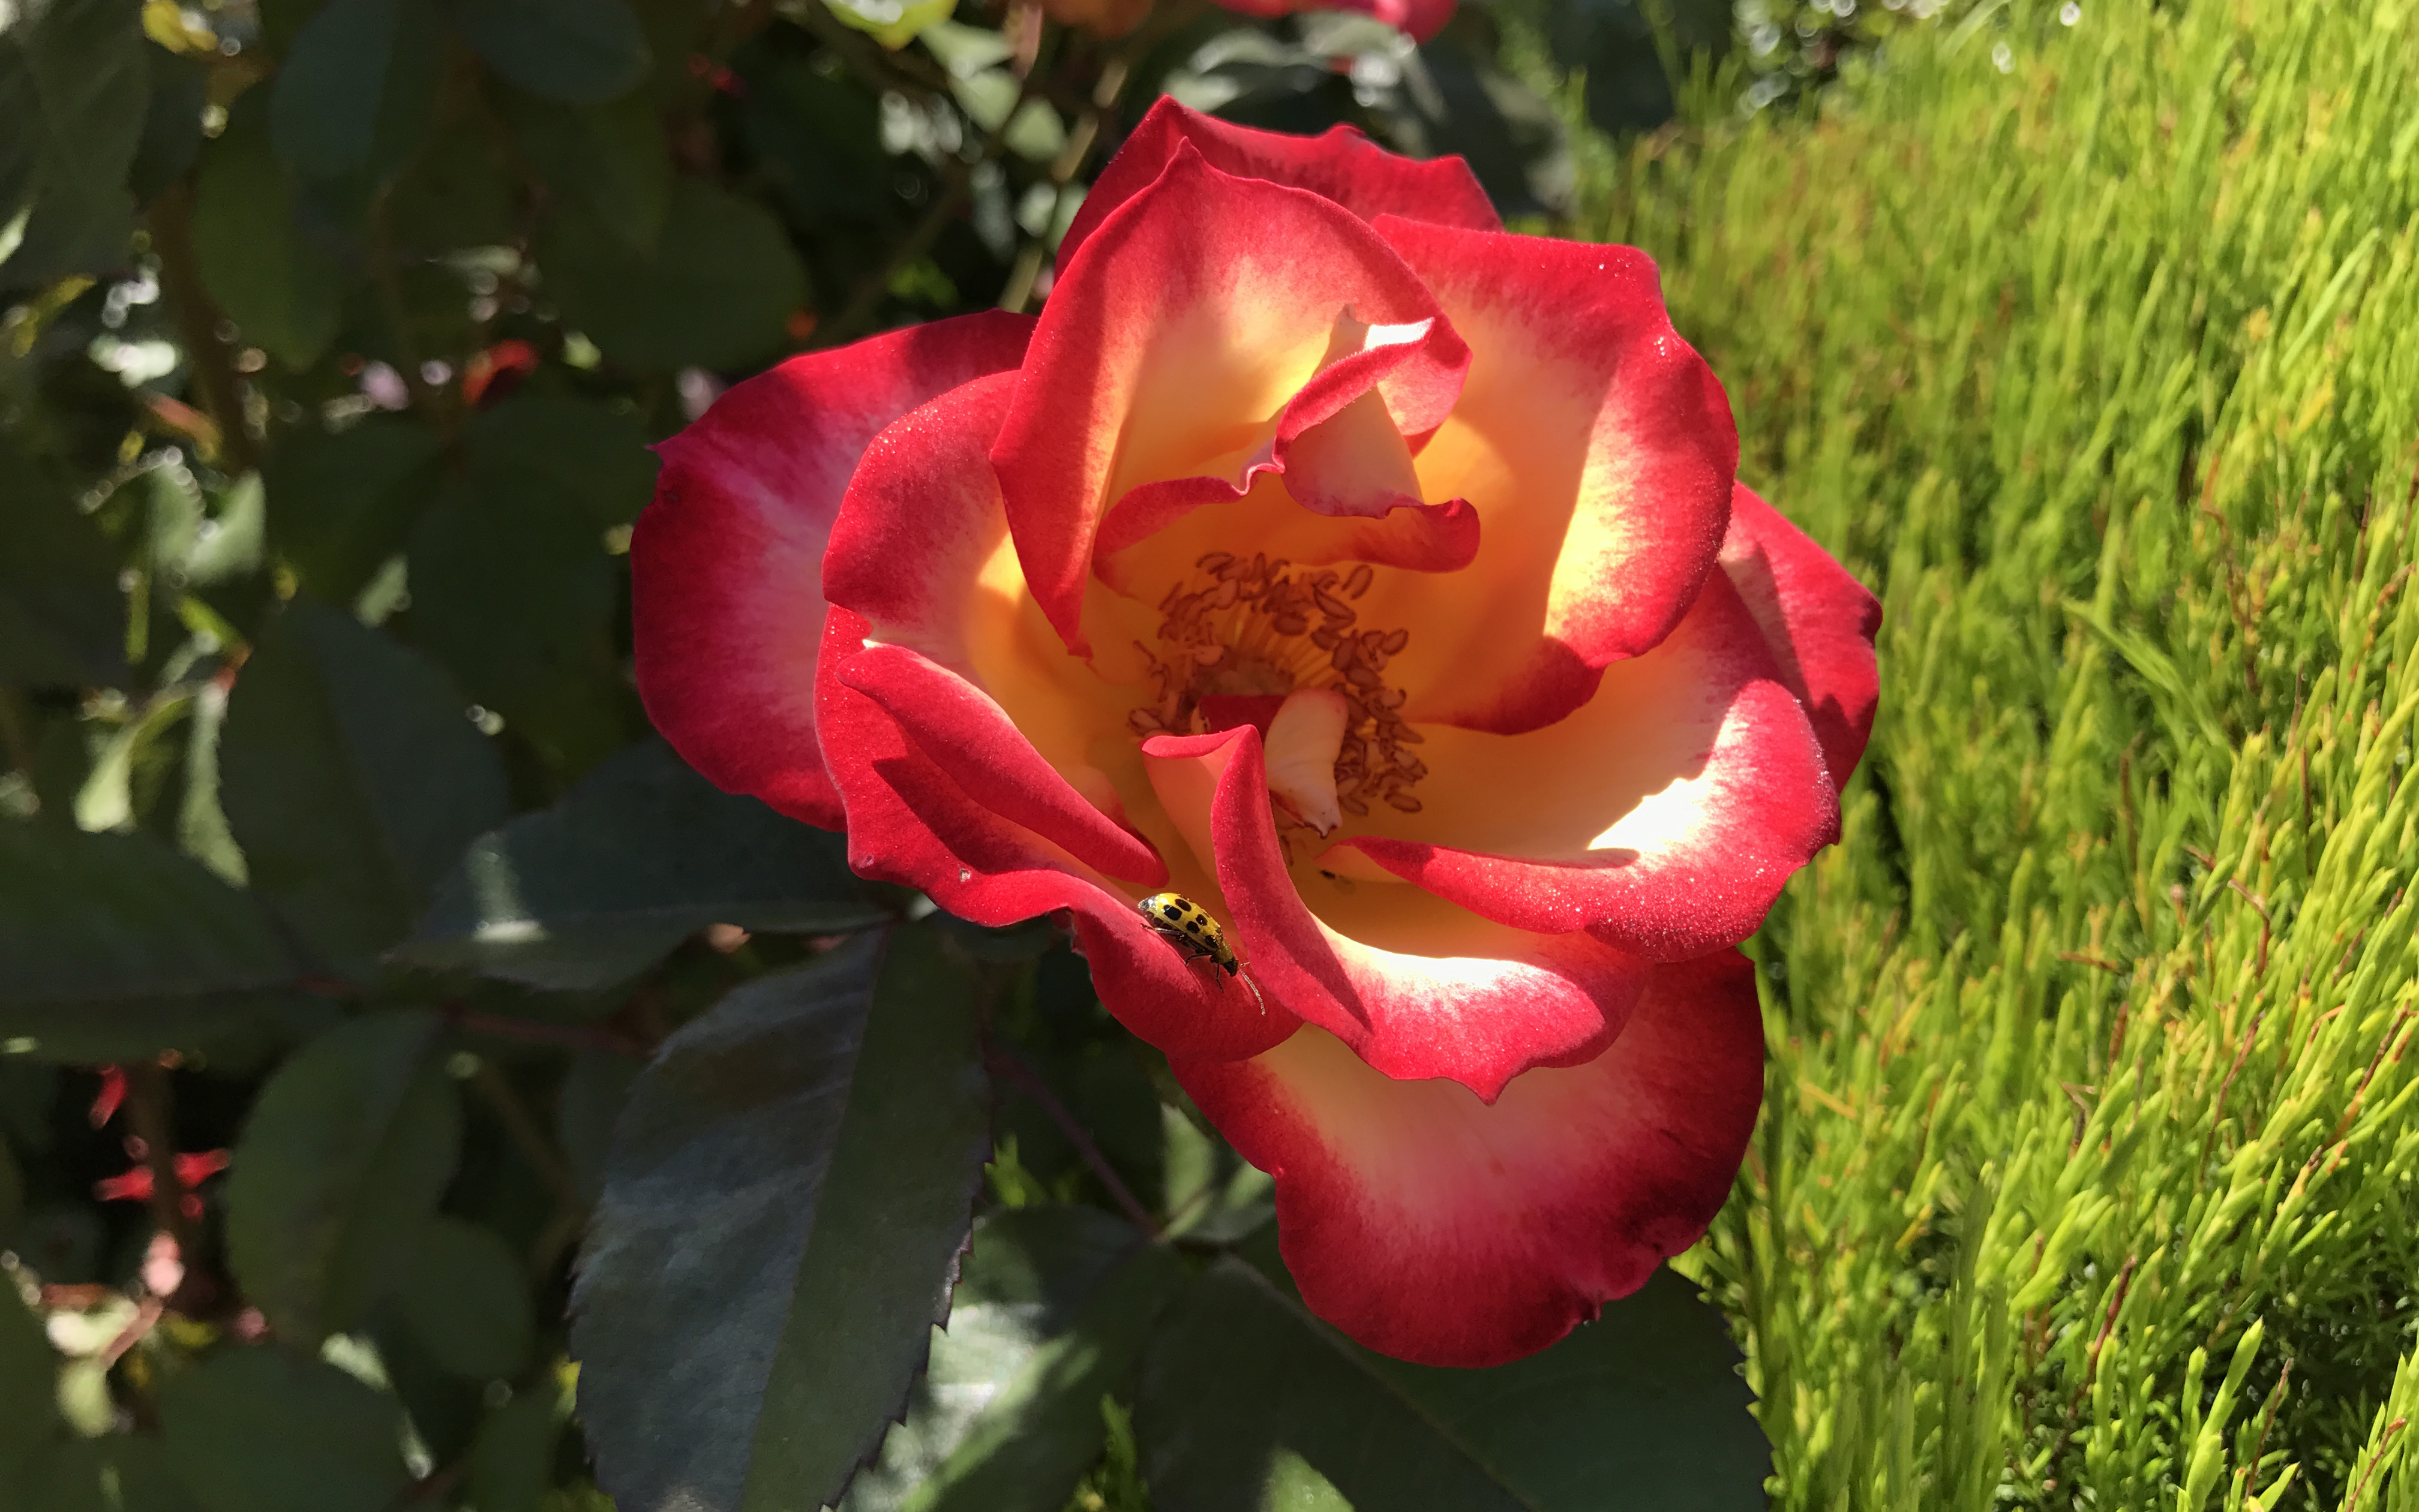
[{"x": 2086, "y": 1170}]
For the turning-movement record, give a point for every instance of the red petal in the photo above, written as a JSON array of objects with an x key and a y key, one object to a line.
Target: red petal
[
  {"x": 1413, "y": 986},
  {"x": 1599, "y": 453},
  {"x": 200, "y": 1166},
  {"x": 1342, "y": 165},
  {"x": 112, "y": 1095},
  {"x": 921, "y": 519},
  {"x": 1819, "y": 621},
  {"x": 1663, "y": 817},
  {"x": 970, "y": 738},
  {"x": 1202, "y": 305},
  {"x": 1442, "y": 1230},
  {"x": 726, "y": 565},
  {"x": 908, "y": 821},
  {"x": 942, "y": 654},
  {"x": 133, "y": 1187}
]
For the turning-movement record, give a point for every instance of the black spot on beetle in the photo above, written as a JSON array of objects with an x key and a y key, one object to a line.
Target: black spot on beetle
[
  {"x": 1193, "y": 926},
  {"x": 1171, "y": 910}
]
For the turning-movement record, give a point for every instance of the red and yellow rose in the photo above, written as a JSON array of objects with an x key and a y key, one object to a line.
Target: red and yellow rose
[{"x": 1378, "y": 580}]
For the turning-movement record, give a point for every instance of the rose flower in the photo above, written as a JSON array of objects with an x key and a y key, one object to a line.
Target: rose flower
[{"x": 1376, "y": 581}]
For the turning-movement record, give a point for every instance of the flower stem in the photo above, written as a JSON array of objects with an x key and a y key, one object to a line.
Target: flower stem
[{"x": 1006, "y": 1066}]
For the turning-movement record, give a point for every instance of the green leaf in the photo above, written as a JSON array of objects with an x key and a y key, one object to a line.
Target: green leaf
[
  {"x": 339, "y": 1170},
  {"x": 512, "y": 585},
  {"x": 572, "y": 465},
  {"x": 275, "y": 276},
  {"x": 29, "y": 1371},
  {"x": 62, "y": 617},
  {"x": 12, "y": 1192},
  {"x": 640, "y": 855},
  {"x": 226, "y": 546},
  {"x": 455, "y": 204},
  {"x": 579, "y": 50},
  {"x": 467, "y": 1297},
  {"x": 717, "y": 291},
  {"x": 594, "y": 1092},
  {"x": 200, "y": 826},
  {"x": 340, "y": 503},
  {"x": 1658, "y": 1362},
  {"x": 966, "y": 50},
  {"x": 115, "y": 943},
  {"x": 352, "y": 778},
  {"x": 609, "y": 158},
  {"x": 1244, "y": 1391},
  {"x": 172, "y": 123},
  {"x": 27, "y": 1091},
  {"x": 512, "y": 1462},
  {"x": 1050, "y": 1315},
  {"x": 581, "y": 457},
  {"x": 1248, "y": 1400},
  {"x": 814, "y": 138},
  {"x": 781, "y": 1218},
  {"x": 72, "y": 87},
  {"x": 1037, "y": 134},
  {"x": 119, "y": 1473},
  {"x": 263, "y": 1430},
  {"x": 891, "y": 22},
  {"x": 323, "y": 105},
  {"x": 361, "y": 77},
  {"x": 146, "y": 743}
]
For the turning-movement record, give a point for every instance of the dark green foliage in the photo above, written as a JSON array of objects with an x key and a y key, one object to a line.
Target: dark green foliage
[
  {"x": 341, "y": 504},
  {"x": 1053, "y": 1308},
  {"x": 114, "y": 945},
  {"x": 716, "y": 288},
  {"x": 464, "y": 1294},
  {"x": 73, "y": 87},
  {"x": 338, "y": 1177},
  {"x": 357, "y": 87},
  {"x": 643, "y": 853},
  {"x": 513, "y": 1464},
  {"x": 118, "y": 1473},
  {"x": 1247, "y": 1399},
  {"x": 61, "y": 619},
  {"x": 352, "y": 778},
  {"x": 263, "y": 1430},
  {"x": 815, "y": 1284},
  {"x": 581, "y": 51},
  {"x": 273, "y": 267},
  {"x": 28, "y": 1372},
  {"x": 1538, "y": 1424},
  {"x": 512, "y": 586},
  {"x": 1246, "y": 1396},
  {"x": 608, "y": 161}
]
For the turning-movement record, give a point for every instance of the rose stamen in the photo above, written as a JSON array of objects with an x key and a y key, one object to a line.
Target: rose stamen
[{"x": 1253, "y": 626}]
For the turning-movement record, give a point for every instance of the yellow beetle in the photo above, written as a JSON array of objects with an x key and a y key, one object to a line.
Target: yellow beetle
[{"x": 1187, "y": 925}]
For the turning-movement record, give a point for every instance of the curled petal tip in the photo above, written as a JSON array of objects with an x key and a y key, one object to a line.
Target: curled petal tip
[{"x": 1304, "y": 738}]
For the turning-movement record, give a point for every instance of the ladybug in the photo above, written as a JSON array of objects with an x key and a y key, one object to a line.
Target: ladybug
[{"x": 1187, "y": 925}]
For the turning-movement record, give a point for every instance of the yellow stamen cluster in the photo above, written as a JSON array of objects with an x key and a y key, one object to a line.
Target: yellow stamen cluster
[{"x": 1251, "y": 625}]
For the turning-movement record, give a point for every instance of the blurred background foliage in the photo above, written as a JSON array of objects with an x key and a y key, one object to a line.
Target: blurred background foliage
[{"x": 362, "y": 955}]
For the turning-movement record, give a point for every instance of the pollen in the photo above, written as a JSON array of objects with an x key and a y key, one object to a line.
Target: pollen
[{"x": 1251, "y": 626}]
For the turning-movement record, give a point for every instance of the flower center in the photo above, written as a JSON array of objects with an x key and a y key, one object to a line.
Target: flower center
[{"x": 1243, "y": 632}]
